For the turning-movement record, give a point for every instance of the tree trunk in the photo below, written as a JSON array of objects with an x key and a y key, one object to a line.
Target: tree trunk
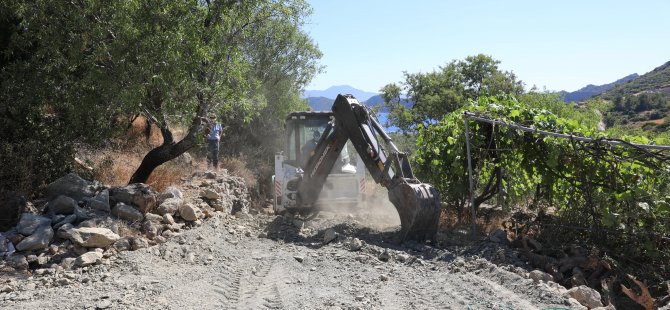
[{"x": 167, "y": 151}]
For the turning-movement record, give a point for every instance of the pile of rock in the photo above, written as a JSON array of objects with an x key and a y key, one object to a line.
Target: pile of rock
[{"x": 80, "y": 223}]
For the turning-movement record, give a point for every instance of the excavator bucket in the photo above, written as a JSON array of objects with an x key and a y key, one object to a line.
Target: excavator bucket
[{"x": 419, "y": 208}]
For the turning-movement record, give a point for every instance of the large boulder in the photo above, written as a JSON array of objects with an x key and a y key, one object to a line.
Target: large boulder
[
  {"x": 30, "y": 222},
  {"x": 40, "y": 239},
  {"x": 90, "y": 237},
  {"x": 11, "y": 207},
  {"x": 62, "y": 205},
  {"x": 139, "y": 194},
  {"x": 128, "y": 213},
  {"x": 72, "y": 186}
]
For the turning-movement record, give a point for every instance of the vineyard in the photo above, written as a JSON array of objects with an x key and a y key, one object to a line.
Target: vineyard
[{"x": 609, "y": 196}]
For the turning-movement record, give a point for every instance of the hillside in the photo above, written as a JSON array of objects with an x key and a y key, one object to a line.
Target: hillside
[
  {"x": 643, "y": 102},
  {"x": 593, "y": 90},
  {"x": 655, "y": 81}
]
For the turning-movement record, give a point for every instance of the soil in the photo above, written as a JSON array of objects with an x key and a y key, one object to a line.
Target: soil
[{"x": 263, "y": 261}]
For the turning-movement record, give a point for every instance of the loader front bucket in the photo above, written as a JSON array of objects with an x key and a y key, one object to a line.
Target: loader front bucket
[{"x": 419, "y": 208}]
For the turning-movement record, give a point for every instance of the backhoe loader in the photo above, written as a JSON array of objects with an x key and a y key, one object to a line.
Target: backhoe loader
[{"x": 417, "y": 203}]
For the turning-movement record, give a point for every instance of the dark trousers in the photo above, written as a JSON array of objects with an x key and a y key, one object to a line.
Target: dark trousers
[{"x": 213, "y": 153}]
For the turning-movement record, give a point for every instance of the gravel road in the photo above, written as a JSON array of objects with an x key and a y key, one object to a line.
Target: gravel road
[{"x": 264, "y": 261}]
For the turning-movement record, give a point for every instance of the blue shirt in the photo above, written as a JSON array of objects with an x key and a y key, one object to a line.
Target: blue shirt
[{"x": 215, "y": 133}]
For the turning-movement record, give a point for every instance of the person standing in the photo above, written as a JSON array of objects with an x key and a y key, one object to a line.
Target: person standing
[{"x": 213, "y": 134}]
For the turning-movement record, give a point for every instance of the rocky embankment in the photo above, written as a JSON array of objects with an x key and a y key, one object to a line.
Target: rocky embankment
[{"x": 90, "y": 246}]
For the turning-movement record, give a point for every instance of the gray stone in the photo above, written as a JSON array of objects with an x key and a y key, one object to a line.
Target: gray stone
[
  {"x": 62, "y": 205},
  {"x": 169, "y": 206},
  {"x": 137, "y": 243},
  {"x": 81, "y": 214},
  {"x": 329, "y": 235},
  {"x": 68, "y": 262},
  {"x": 384, "y": 256},
  {"x": 17, "y": 261},
  {"x": 92, "y": 237},
  {"x": 122, "y": 244},
  {"x": 189, "y": 212},
  {"x": 67, "y": 220},
  {"x": 6, "y": 246},
  {"x": 586, "y": 296},
  {"x": 72, "y": 186},
  {"x": 100, "y": 202},
  {"x": 355, "y": 244},
  {"x": 151, "y": 229},
  {"x": 210, "y": 194},
  {"x": 30, "y": 222},
  {"x": 153, "y": 217},
  {"x": 540, "y": 276},
  {"x": 170, "y": 192},
  {"x": 402, "y": 257},
  {"x": 88, "y": 258},
  {"x": 40, "y": 239},
  {"x": 299, "y": 258},
  {"x": 224, "y": 204},
  {"x": 42, "y": 260},
  {"x": 139, "y": 195},
  {"x": 65, "y": 231},
  {"x": 128, "y": 213},
  {"x": 168, "y": 219}
]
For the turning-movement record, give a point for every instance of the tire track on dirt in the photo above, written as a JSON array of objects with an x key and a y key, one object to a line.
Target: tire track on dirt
[
  {"x": 254, "y": 287},
  {"x": 457, "y": 290}
]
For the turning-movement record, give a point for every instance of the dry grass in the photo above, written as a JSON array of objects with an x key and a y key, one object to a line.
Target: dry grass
[
  {"x": 237, "y": 166},
  {"x": 115, "y": 165}
]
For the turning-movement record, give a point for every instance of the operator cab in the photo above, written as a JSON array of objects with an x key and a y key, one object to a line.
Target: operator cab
[{"x": 303, "y": 131}]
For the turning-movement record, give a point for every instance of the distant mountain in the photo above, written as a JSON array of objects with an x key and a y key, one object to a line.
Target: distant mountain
[
  {"x": 333, "y": 91},
  {"x": 593, "y": 90},
  {"x": 320, "y": 103},
  {"x": 325, "y": 104}
]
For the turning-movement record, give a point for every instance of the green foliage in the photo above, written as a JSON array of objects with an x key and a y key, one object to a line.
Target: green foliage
[
  {"x": 438, "y": 93},
  {"x": 72, "y": 72},
  {"x": 618, "y": 195}
]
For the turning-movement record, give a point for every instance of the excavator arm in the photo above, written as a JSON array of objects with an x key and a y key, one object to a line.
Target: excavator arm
[{"x": 417, "y": 203}]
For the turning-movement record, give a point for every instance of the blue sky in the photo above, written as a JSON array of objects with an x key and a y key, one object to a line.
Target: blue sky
[{"x": 560, "y": 45}]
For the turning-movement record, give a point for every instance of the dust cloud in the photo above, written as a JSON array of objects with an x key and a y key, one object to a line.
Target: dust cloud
[{"x": 374, "y": 210}]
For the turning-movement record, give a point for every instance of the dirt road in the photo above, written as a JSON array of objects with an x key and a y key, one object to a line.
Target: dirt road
[{"x": 274, "y": 262}]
